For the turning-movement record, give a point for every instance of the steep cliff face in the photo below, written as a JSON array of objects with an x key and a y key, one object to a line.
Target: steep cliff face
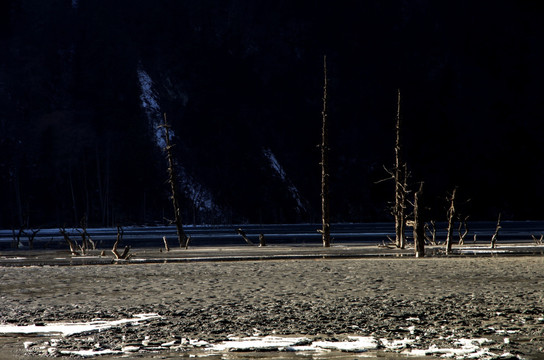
[{"x": 83, "y": 84}]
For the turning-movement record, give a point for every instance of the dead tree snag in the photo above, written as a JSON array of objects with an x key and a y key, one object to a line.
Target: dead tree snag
[
  {"x": 419, "y": 228},
  {"x": 496, "y": 234},
  {"x": 166, "y": 247},
  {"x": 242, "y": 233},
  {"x": 451, "y": 216},
  {"x": 430, "y": 232},
  {"x": 400, "y": 177},
  {"x": 73, "y": 246},
  {"x": 172, "y": 180},
  {"x": 325, "y": 208},
  {"x": 462, "y": 230},
  {"x": 126, "y": 252}
]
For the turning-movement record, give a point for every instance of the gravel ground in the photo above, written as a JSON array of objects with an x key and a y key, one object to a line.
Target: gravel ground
[{"x": 427, "y": 299}]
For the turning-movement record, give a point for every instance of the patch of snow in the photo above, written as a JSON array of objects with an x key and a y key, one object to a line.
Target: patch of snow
[
  {"x": 280, "y": 172},
  {"x": 396, "y": 344},
  {"x": 465, "y": 349},
  {"x": 354, "y": 344},
  {"x": 269, "y": 343},
  {"x": 68, "y": 329},
  {"x": 89, "y": 352}
]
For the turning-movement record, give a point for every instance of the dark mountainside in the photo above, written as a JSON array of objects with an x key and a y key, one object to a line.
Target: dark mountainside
[{"x": 241, "y": 83}]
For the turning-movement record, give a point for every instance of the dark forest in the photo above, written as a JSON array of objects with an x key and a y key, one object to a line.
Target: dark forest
[{"x": 83, "y": 84}]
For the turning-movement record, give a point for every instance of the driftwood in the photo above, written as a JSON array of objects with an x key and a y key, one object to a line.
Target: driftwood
[
  {"x": 242, "y": 233},
  {"x": 72, "y": 244},
  {"x": 126, "y": 252},
  {"x": 496, "y": 234}
]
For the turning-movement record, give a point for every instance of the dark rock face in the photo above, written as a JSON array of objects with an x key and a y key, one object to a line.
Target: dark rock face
[{"x": 237, "y": 79}]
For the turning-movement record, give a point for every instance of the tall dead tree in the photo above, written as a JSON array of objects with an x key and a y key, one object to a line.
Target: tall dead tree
[
  {"x": 172, "y": 180},
  {"x": 400, "y": 177},
  {"x": 451, "y": 216},
  {"x": 419, "y": 223},
  {"x": 325, "y": 210}
]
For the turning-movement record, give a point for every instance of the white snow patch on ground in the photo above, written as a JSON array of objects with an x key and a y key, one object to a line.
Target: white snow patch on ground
[
  {"x": 464, "y": 349},
  {"x": 89, "y": 352},
  {"x": 354, "y": 344},
  {"x": 253, "y": 343},
  {"x": 278, "y": 169},
  {"x": 67, "y": 329}
]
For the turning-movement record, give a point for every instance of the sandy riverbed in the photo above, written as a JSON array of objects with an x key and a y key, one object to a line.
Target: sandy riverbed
[{"x": 431, "y": 300}]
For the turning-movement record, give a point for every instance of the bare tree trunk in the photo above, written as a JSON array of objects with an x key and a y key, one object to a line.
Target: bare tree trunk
[
  {"x": 242, "y": 233},
  {"x": 400, "y": 190},
  {"x": 126, "y": 253},
  {"x": 166, "y": 247},
  {"x": 419, "y": 224},
  {"x": 431, "y": 229},
  {"x": 462, "y": 230},
  {"x": 325, "y": 208},
  {"x": 73, "y": 246},
  {"x": 172, "y": 180},
  {"x": 496, "y": 234},
  {"x": 31, "y": 237},
  {"x": 451, "y": 215}
]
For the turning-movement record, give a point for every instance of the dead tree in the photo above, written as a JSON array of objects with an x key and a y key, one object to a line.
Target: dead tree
[
  {"x": 538, "y": 241},
  {"x": 86, "y": 241},
  {"x": 172, "y": 180},
  {"x": 31, "y": 237},
  {"x": 166, "y": 247},
  {"x": 126, "y": 252},
  {"x": 242, "y": 233},
  {"x": 17, "y": 238},
  {"x": 419, "y": 228},
  {"x": 496, "y": 234},
  {"x": 400, "y": 174},
  {"x": 324, "y": 146},
  {"x": 451, "y": 216},
  {"x": 462, "y": 230},
  {"x": 430, "y": 232},
  {"x": 73, "y": 245}
]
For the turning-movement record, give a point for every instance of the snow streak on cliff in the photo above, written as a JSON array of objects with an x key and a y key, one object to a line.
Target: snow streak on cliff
[
  {"x": 280, "y": 172},
  {"x": 200, "y": 196}
]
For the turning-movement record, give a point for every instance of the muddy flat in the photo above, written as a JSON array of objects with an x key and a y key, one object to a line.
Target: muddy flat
[{"x": 432, "y": 301}]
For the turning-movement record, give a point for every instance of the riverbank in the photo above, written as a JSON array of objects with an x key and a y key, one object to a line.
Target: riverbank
[{"x": 433, "y": 301}]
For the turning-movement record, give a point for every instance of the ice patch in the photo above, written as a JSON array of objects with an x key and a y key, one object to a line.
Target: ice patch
[{"x": 67, "y": 329}]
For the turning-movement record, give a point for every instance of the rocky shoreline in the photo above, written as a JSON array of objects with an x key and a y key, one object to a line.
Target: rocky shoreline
[{"x": 432, "y": 301}]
